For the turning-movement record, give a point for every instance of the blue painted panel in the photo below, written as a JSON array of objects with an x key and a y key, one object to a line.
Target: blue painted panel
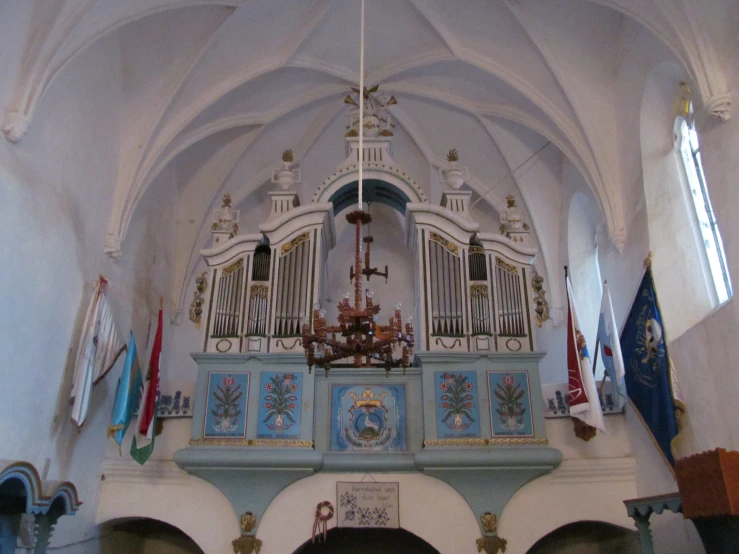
[
  {"x": 510, "y": 404},
  {"x": 457, "y": 407},
  {"x": 280, "y": 403},
  {"x": 225, "y": 411},
  {"x": 368, "y": 418}
]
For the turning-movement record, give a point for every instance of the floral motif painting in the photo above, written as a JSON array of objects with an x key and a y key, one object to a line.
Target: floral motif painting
[
  {"x": 225, "y": 410},
  {"x": 280, "y": 397},
  {"x": 368, "y": 418},
  {"x": 510, "y": 404},
  {"x": 457, "y": 412}
]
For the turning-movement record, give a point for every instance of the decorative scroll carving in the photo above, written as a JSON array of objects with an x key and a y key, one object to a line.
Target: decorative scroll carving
[
  {"x": 247, "y": 542},
  {"x": 293, "y": 243},
  {"x": 541, "y": 306},
  {"x": 457, "y": 342},
  {"x": 453, "y": 248},
  {"x": 491, "y": 545},
  {"x": 508, "y": 267},
  {"x": 196, "y": 307},
  {"x": 233, "y": 267}
]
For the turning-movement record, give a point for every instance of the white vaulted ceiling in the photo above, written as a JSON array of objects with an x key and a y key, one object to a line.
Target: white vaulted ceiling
[{"x": 220, "y": 88}]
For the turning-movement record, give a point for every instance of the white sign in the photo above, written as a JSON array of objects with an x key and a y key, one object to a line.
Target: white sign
[{"x": 368, "y": 505}]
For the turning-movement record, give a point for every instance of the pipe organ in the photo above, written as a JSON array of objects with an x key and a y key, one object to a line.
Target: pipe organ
[{"x": 472, "y": 289}]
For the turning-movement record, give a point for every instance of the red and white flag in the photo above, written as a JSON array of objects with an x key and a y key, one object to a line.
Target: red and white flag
[
  {"x": 143, "y": 441},
  {"x": 584, "y": 400}
]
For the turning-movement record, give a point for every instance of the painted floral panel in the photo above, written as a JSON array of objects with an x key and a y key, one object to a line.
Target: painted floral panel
[
  {"x": 510, "y": 404},
  {"x": 457, "y": 408},
  {"x": 225, "y": 409},
  {"x": 280, "y": 401}
]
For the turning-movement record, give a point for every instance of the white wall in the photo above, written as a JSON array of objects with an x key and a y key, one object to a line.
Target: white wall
[{"x": 55, "y": 191}]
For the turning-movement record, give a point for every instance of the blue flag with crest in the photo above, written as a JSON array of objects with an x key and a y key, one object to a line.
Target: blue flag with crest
[
  {"x": 127, "y": 394},
  {"x": 649, "y": 380}
]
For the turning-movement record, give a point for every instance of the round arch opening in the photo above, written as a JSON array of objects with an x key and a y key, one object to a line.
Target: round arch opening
[
  {"x": 368, "y": 541},
  {"x": 373, "y": 190}
]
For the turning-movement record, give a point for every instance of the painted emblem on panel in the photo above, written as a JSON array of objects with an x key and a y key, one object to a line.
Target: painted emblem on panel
[
  {"x": 279, "y": 405},
  {"x": 368, "y": 418},
  {"x": 510, "y": 403},
  {"x": 225, "y": 411},
  {"x": 457, "y": 412}
]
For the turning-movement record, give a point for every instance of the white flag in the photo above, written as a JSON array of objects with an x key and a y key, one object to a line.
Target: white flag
[
  {"x": 584, "y": 399},
  {"x": 100, "y": 346},
  {"x": 610, "y": 347}
]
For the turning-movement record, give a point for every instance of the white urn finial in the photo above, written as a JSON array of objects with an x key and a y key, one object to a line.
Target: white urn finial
[
  {"x": 453, "y": 176},
  {"x": 286, "y": 177}
]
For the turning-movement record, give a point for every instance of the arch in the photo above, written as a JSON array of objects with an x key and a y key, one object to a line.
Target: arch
[
  {"x": 367, "y": 541},
  {"x": 373, "y": 190},
  {"x": 588, "y": 537},
  {"x": 429, "y": 508},
  {"x": 384, "y": 172},
  {"x": 142, "y": 534},
  {"x": 575, "y": 491},
  {"x": 121, "y": 498}
]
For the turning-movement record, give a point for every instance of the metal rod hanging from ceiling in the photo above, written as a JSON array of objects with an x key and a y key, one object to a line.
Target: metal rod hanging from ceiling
[{"x": 361, "y": 104}]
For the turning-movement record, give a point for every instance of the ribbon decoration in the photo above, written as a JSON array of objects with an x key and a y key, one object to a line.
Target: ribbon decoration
[{"x": 321, "y": 519}]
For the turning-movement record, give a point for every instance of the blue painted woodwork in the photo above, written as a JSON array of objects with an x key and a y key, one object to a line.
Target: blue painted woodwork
[
  {"x": 486, "y": 469},
  {"x": 23, "y": 491}
]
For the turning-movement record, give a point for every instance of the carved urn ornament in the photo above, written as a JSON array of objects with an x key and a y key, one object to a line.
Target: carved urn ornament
[
  {"x": 512, "y": 216},
  {"x": 453, "y": 176},
  {"x": 286, "y": 177}
]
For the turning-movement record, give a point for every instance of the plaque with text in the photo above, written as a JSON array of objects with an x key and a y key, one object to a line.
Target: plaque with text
[{"x": 366, "y": 505}]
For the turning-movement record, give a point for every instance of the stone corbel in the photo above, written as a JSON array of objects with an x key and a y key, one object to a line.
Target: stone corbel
[
  {"x": 719, "y": 107},
  {"x": 618, "y": 238},
  {"x": 15, "y": 126},
  {"x": 112, "y": 246}
]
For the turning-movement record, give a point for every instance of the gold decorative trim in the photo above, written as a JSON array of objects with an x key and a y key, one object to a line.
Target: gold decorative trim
[
  {"x": 238, "y": 264},
  {"x": 504, "y": 265},
  {"x": 483, "y": 442},
  {"x": 453, "y": 248},
  {"x": 479, "y": 290},
  {"x": 475, "y": 249},
  {"x": 259, "y": 290},
  {"x": 293, "y": 243},
  {"x": 252, "y": 442}
]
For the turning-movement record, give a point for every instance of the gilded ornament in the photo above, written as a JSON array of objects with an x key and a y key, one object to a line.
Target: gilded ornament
[
  {"x": 491, "y": 545},
  {"x": 377, "y": 120},
  {"x": 238, "y": 264},
  {"x": 196, "y": 306},
  {"x": 541, "y": 306},
  {"x": 508, "y": 267},
  {"x": 479, "y": 291},
  {"x": 248, "y": 522},
  {"x": 452, "y": 155},
  {"x": 288, "y": 156},
  {"x": 246, "y": 545},
  {"x": 288, "y": 246},
  {"x": 489, "y": 522},
  {"x": 453, "y": 248}
]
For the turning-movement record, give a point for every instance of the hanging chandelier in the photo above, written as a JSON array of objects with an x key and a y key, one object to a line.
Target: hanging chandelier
[
  {"x": 358, "y": 336},
  {"x": 362, "y": 339}
]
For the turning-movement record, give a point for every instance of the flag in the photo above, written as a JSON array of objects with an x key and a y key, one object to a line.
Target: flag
[
  {"x": 584, "y": 400},
  {"x": 100, "y": 346},
  {"x": 143, "y": 441},
  {"x": 127, "y": 395},
  {"x": 649, "y": 379},
  {"x": 610, "y": 347}
]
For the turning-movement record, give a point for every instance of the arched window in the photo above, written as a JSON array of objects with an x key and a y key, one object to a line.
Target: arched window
[{"x": 707, "y": 224}]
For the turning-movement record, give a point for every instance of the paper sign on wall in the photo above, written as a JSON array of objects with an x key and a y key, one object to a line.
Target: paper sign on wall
[{"x": 368, "y": 504}]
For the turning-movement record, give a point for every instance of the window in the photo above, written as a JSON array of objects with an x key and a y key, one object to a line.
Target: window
[{"x": 707, "y": 224}]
